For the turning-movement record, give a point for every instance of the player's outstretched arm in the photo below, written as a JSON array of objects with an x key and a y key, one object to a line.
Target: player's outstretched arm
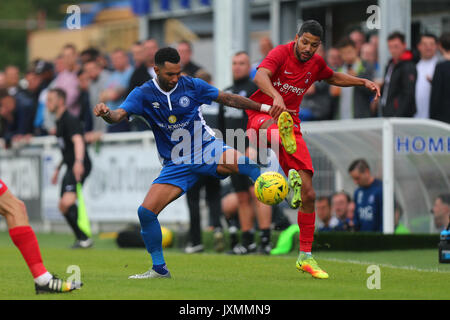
[
  {"x": 240, "y": 102},
  {"x": 110, "y": 116},
  {"x": 345, "y": 80}
]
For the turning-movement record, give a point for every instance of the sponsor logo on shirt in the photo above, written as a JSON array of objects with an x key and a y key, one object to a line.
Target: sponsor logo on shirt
[
  {"x": 287, "y": 88},
  {"x": 155, "y": 105}
]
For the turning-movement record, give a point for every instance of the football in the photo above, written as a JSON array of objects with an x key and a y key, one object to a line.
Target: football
[
  {"x": 167, "y": 237},
  {"x": 271, "y": 188}
]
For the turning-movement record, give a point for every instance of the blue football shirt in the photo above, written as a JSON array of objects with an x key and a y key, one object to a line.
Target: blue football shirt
[
  {"x": 174, "y": 116},
  {"x": 369, "y": 207}
]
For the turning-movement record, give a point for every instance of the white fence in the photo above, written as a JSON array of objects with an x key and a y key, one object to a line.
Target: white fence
[{"x": 411, "y": 156}]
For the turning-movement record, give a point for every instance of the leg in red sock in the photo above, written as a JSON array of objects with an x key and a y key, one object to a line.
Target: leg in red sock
[
  {"x": 26, "y": 241},
  {"x": 306, "y": 223}
]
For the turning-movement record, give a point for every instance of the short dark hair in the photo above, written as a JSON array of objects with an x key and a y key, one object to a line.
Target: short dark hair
[
  {"x": 241, "y": 52},
  {"x": 397, "y": 35},
  {"x": 344, "y": 193},
  {"x": 311, "y": 26},
  {"x": 445, "y": 198},
  {"x": 326, "y": 198},
  {"x": 166, "y": 54},
  {"x": 360, "y": 164},
  {"x": 444, "y": 40},
  {"x": 428, "y": 35},
  {"x": 346, "y": 42},
  {"x": 59, "y": 92}
]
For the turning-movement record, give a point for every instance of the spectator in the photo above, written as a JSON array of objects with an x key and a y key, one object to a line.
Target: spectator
[
  {"x": 67, "y": 79},
  {"x": 236, "y": 120},
  {"x": 265, "y": 45},
  {"x": 369, "y": 55},
  {"x": 334, "y": 61},
  {"x": 354, "y": 102},
  {"x": 212, "y": 190},
  {"x": 99, "y": 79},
  {"x": 398, "y": 91},
  {"x": 368, "y": 198},
  {"x": 440, "y": 85},
  {"x": 46, "y": 73},
  {"x": 83, "y": 100},
  {"x": 89, "y": 54},
  {"x": 327, "y": 221},
  {"x": 9, "y": 125},
  {"x": 2, "y": 80},
  {"x": 137, "y": 53},
  {"x": 333, "y": 58},
  {"x": 316, "y": 104},
  {"x": 12, "y": 77},
  {"x": 359, "y": 38},
  {"x": 27, "y": 103},
  {"x": 340, "y": 203},
  {"x": 187, "y": 66},
  {"x": 441, "y": 211},
  {"x": 427, "y": 47},
  {"x": 146, "y": 71},
  {"x": 116, "y": 87}
]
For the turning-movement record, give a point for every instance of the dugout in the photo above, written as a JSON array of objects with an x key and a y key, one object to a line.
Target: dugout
[{"x": 411, "y": 156}]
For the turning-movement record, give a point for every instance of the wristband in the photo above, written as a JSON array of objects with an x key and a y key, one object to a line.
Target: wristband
[{"x": 265, "y": 108}]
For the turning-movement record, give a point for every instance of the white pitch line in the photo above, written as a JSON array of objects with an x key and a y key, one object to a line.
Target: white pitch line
[{"x": 384, "y": 265}]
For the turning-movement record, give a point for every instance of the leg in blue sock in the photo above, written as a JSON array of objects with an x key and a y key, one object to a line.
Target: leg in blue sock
[
  {"x": 249, "y": 168},
  {"x": 151, "y": 233}
]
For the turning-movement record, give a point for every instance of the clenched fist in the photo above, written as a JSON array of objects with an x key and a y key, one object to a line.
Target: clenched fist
[{"x": 101, "y": 110}]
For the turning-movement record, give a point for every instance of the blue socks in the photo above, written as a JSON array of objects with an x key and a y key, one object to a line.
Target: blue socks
[
  {"x": 249, "y": 168},
  {"x": 151, "y": 234}
]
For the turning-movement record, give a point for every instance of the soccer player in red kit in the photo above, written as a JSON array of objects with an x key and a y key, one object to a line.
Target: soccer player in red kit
[
  {"x": 283, "y": 77},
  {"x": 25, "y": 240}
]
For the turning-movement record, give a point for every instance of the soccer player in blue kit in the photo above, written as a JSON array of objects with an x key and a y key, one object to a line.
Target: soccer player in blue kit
[{"x": 170, "y": 104}]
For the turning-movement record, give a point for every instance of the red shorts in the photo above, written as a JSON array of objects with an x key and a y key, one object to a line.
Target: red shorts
[
  {"x": 300, "y": 160},
  {"x": 3, "y": 187}
]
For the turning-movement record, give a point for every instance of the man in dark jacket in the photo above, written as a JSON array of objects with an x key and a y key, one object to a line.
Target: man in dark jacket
[
  {"x": 187, "y": 66},
  {"x": 440, "y": 86},
  {"x": 398, "y": 91},
  {"x": 145, "y": 71}
]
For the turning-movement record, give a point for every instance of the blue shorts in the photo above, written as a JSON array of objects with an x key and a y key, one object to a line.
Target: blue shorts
[{"x": 185, "y": 175}]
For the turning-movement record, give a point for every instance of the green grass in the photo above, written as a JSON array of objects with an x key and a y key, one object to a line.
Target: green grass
[{"x": 413, "y": 274}]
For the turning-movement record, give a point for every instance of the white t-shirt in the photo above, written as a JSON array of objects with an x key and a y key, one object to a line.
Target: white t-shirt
[{"x": 425, "y": 69}]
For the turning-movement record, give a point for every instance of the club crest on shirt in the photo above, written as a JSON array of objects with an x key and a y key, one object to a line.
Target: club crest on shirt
[
  {"x": 172, "y": 119},
  {"x": 184, "y": 101},
  {"x": 308, "y": 77}
]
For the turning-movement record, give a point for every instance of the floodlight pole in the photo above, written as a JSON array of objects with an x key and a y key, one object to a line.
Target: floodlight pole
[
  {"x": 231, "y": 34},
  {"x": 388, "y": 177}
]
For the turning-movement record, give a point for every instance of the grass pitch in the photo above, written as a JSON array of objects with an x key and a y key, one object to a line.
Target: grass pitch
[{"x": 413, "y": 274}]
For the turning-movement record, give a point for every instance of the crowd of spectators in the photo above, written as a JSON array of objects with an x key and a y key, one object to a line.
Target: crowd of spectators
[
  {"x": 414, "y": 83},
  {"x": 88, "y": 77}
]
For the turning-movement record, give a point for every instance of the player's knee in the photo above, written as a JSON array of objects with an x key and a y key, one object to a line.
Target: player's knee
[
  {"x": 64, "y": 205},
  {"x": 243, "y": 198},
  {"x": 309, "y": 196}
]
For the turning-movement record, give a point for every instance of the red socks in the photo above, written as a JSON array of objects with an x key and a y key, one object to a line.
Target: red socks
[
  {"x": 26, "y": 241},
  {"x": 306, "y": 223}
]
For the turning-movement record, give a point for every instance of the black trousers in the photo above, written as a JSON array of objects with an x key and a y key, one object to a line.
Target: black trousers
[{"x": 213, "y": 200}]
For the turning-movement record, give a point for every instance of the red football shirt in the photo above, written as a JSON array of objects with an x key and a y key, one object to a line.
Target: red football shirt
[{"x": 290, "y": 77}]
